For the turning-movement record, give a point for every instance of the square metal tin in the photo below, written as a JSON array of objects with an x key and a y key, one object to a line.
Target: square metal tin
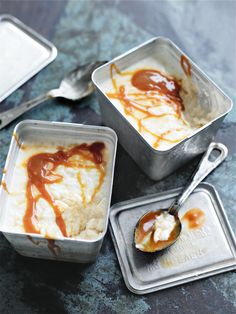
[
  {"x": 61, "y": 133},
  {"x": 198, "y": 253},
  {"x": 159, "y": 164},
  {"x": 23, "y": 53}
]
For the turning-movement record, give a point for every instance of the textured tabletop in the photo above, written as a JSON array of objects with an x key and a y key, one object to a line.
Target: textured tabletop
[{"x": 88, "y": 30}]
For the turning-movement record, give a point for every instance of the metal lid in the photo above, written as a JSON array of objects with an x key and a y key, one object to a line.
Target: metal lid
[
  {"x": 23, "y": 53},
  {"x": 201, "y": 252}
]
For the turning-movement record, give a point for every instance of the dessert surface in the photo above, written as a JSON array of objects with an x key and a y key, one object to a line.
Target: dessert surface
[
  {"x": 162, "y": 107},
  {"x": 59, "y": 191}
]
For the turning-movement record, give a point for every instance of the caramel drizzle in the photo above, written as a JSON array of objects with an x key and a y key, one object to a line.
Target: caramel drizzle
[
  {"x": 135, "y": 102},
  {"x": 41, "y": 171},
  {"x": 4, "y": 186},
  {"x": 186, "y": 66},
  {"x": 16, "y": 139},
  {"x": 53, "y": 247},
  {"x": 32, "y": 240},
  {"x": 82, "y": 186}
]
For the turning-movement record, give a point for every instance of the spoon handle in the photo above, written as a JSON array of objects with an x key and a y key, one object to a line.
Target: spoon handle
[
  {"x": 8, "y": 116},
  {"x": 205, "y": 167}
]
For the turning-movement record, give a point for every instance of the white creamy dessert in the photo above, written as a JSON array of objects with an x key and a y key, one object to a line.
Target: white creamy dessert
[
  {"x": 157, "y": 116},
  {"x": 154, "y": 229},
  {"x": 163, "y": 227},
  {"x": 80, "y": 194}
]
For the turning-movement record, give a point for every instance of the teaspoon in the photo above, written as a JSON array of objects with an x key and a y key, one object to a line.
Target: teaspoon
[
  {"x": 144, "y": 234},
  {"x": 76, "y": 85}
]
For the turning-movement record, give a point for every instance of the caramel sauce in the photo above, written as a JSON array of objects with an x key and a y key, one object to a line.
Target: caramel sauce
[
  {"x": 195, "y": 218},
  {"x": 4, "y": 186},
  {"x": 145, "y": 228},
  {"x": 41, "y": 171},
  {"x": 154, "y": 80},
  {"x": 186, "y": 66},
  {"x": 82, "y": 186},
  {"x": 32, "y": 240},
  {"x": 155, "y": 88},
  {"x": 17, "y": 140},
  {"x": 53, "y": 247}
]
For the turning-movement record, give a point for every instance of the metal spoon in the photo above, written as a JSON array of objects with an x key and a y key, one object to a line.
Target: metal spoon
[
  {"x": 76, "y": 85},
  {"x": 205, "y": 167}
]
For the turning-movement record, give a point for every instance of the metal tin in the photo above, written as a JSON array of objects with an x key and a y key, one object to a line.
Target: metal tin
[
  {"x": 34, "y": 245},
  {"x": 23, "y": 53},
  {"x": 197, "y": 254},
  {"x": 159, "y": 164}
]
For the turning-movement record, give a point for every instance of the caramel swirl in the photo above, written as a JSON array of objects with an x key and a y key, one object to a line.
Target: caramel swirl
[
  {"x": 186, "y": 66},
  {"x": 4, "y": 186},
  {"x": 148, "y": 80},
  {"x": 41, "y": 172},
  {"x": 154, "y": 88}
]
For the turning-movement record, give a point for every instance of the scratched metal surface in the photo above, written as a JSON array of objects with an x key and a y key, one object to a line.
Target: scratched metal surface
[{"x": 87, "y": 30}]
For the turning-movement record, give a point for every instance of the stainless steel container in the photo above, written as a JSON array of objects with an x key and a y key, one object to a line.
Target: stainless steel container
[
  {"x": 159, "y": 164},
  {"x": 198, "y": 253},
  {"x": 34, "y": 245}
]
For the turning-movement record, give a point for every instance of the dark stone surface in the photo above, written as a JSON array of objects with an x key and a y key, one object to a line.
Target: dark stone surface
[{"x": 87, "y": 30}]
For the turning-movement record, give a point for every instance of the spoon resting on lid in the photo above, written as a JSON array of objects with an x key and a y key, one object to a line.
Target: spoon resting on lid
[{"x": 157, "y": 230}]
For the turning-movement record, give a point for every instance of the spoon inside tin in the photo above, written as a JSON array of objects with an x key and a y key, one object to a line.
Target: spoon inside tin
[
  {"x": 157, "y": 230},
  {"x": 76, "y": 85}
]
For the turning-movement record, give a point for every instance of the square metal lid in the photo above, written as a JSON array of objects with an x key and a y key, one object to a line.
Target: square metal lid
[
  {"x": 23, "y": 53},
  {"x": 198, "y": 253}
]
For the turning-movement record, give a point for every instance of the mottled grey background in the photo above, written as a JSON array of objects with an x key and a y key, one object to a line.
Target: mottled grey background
[{"x": 88, "y": 30}]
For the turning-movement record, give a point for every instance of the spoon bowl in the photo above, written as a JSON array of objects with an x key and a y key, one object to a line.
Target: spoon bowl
[
  {"x": 77, "y": 84},
  {"x": 144, "y": 233}
]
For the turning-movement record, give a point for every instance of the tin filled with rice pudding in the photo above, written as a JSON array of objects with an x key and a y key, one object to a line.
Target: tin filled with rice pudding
[
  {"x": 164, "y": 109},
  {"x": 56, "y": 190}
]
